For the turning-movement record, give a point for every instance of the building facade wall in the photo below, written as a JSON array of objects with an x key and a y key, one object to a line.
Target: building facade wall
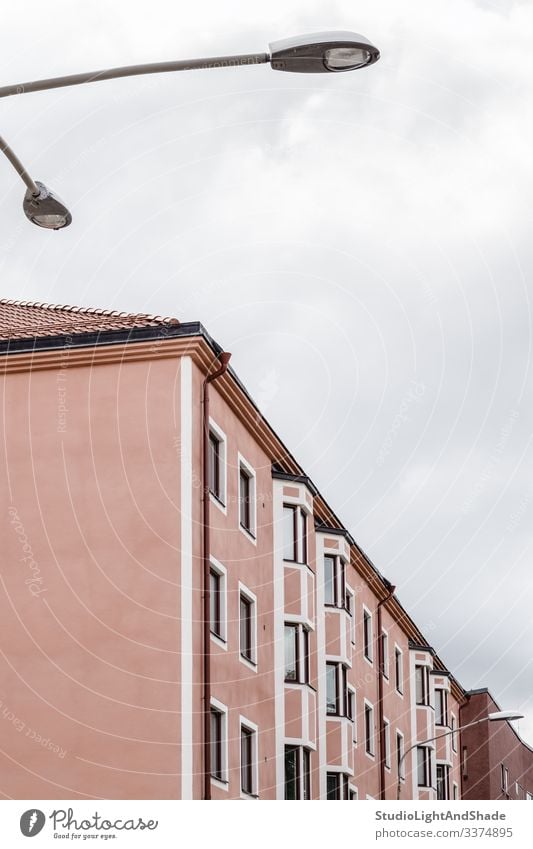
[
  {"x": 102, "y": 612},
  {"x": 497, "y": 764}
]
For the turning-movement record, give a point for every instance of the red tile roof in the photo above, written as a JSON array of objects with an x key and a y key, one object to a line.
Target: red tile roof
[{"x": 31, "y": 320}]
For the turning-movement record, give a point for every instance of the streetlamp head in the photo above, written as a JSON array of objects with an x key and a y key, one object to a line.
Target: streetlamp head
[
  {"x": 500, "y": 715},
  {"x": 322, "y": 52},
  {"x": 46, "y": 209}
]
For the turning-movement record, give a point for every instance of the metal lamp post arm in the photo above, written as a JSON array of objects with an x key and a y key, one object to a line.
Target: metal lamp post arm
[
  {"x": 18, "y": 166},
  {"x": 135, "y": 71},
  {"x": 112, "y": 74},
  {"x": 431, "y": 740}
]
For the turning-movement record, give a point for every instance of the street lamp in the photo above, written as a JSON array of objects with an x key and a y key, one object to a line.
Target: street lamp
[
  {"x": 497, "y": 716},
  {"x": 319, "y": 53}
]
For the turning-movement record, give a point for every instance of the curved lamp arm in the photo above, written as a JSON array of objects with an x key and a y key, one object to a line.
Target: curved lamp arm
[
  {"x": 135, "y": 71},
  {"x": 18, "y": 166},
  {"x": 111, "y": 74}
]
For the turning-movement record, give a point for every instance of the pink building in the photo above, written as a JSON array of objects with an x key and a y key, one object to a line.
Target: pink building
[{"x": 156, "y": 643}]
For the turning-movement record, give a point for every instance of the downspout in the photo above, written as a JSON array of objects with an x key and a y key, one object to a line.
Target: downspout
[
  {"x": 381, "y": 669},
  {"x": 224, "y": 359}
]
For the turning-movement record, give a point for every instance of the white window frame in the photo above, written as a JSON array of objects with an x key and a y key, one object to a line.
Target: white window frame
[
  {"x": 242, "y": 463},
  {"x": 369, "y": 658},
  {"x": 302, "y": 513},
  {"x": 303, "y": 658},
  {"x": 353, "y": 789},
  {"x": 387, "y": 753},
  {"x": 351, "y": 689},
  {"x": 217, "y": 431},
  {"x": 368, "y": 704},
  {"x": 223, "y": 710},
  {"x": 252, "y": 598},
  {"x": 453, "y": 723},
  {"x": 400, "y": 736},
  {"x": 505, "y": 779},
  {"x": 248, "y": 725},
  {"x": 400, "y": 654},
  {"x": 221, "y": 571},
  {"x": 385, "y": 652},
  {"x": 351, "y": 593},
  {"x": 455, "y": 791}
]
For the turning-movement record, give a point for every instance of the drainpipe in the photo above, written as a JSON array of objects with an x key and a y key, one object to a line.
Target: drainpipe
[
  {"x": 381, "y": 669},
  {"x": 224, "y": 359}
]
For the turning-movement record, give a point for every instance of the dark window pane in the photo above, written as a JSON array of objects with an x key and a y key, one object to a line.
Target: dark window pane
[
  {"x": 303, "y": 536},
  {"x": 332, "y": 697},
  {"x": 246, "y": 760},
  {"x": 330, "y": 588},
  {"x": 369, "y": 730},
  {"x": 442, "y": 781},
  {"x": 423, "y": 766},
  {"x": 216, "y": 744},
  {"x": 420, "y": 685},
  {"x": 307, "y": 773},
  {"x": 214, "y": 466},
  {"x": 289, "y": 532},
  {"x": 246, "y": 627},
  {"x": 214, "y": 598},
  {"x": 333, "y": 785},
  {"x": 305, "y": 658},
  {"x": 291, "y": 652},
  {"x": 244, "y": 499},
  {"x": 292, "y": 777},
  {"x": 367, "y": 635}
]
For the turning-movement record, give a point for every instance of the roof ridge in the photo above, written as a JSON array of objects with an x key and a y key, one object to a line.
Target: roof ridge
[{"x": 88, "y": 310}]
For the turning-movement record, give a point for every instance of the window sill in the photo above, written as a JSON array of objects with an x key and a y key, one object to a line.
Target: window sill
[
  {"x": 219, "y": 641},
  {"x": 251, "y": 664},
  {"x": 248, "y": 533},
  {"x": 245, "y": 795},
  {"x": 222, "y": 783},
  {"x": 218, "y": 502}
]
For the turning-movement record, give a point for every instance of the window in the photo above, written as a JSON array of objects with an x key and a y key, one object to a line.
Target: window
[
  {"x": 247, "y": 625},
  {"x": 441, "y": 707},
  {"x": 216, "y": 463},
  {"x": 465, "y": 762},
  {"x": 248, "y": 759},
  {"x": 296, "y": 653},
  {"x": 367, "y": 634},
  {"x": 336, "y": 689},
  {"x": 330, "y": 571},
  {"x": 455, "y": 790},
  {"x": 400, "y": 761},
  {"x": 292, "y": 772},
  {"x": 385, "y": 654},
  {"x": 352, "y": 793},
  {"x": 214, "y": 597},
  {"x": 338, "y": 786},
  {"x": 350, "y": 610},
  {"x": 306, "y": 757},
  {"x": 218, "y": 719},
  {"x": 332, "y": 691},
  {"x": 294, "y": 533},
  {"x": 454, "y": 735},
  {"x": 246, "y": 497},
  {"x": 443, "y": 781},
  {"x": 350, "y": 704},
  {"x": 529, "y": 796},
  {"x": 398, "y": 669},
  {"x": 421, "y": 684},
  {"x": 505, "y": 779},
  {"x": 423, "y": 761},
  {"x": 369, "y": 729},
  {"x": 386, "y": 737},
  {"x": 297, "y": 773},
  {"x": 333, "y": 786}
]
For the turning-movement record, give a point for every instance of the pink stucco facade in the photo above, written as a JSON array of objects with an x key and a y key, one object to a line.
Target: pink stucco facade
[{"x": 101, "y": 601}]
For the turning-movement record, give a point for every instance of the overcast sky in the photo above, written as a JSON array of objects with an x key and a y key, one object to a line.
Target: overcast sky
[{"x": 360, "y": 242}]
